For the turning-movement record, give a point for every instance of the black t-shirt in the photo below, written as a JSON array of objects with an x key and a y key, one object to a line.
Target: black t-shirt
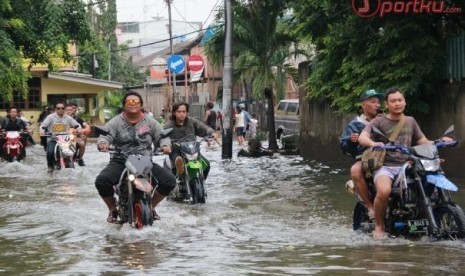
[{"x": 13, "y": 125}]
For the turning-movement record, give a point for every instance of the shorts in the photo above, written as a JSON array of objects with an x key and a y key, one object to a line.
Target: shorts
[
  {"x": 391, "y": 172},
  {"x": 239, "y": 131}
]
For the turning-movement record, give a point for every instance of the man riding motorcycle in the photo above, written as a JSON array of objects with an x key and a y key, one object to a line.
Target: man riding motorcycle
[
  {"x": 370, "y": 103},
  {"x": 57, "y": 123},
  {"x": 13, "y": 123},
  {"x": 81, "y": 140},
  {"x": 184, "y": 126},
  {"x": 128, "y": 130}
]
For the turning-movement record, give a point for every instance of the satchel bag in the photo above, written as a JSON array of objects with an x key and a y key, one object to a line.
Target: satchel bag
[{"x": 373, "y": 159}]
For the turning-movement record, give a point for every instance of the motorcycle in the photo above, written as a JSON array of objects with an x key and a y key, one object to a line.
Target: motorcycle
[
  {"x": 134, "y": 190},
  {"x": 420, "y": 201},
  {"x": 65, "y": 150},
  {"x": 192, "y": 188},
  {"x": 13, "y": 149},
  {"x": 134, "y": 205}
]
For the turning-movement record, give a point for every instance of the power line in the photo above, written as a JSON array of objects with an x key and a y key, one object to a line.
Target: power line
[{"x": 143, "y": 45}]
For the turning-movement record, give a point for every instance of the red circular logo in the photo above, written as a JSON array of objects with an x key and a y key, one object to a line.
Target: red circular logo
[{"x": 366, "y": 8}]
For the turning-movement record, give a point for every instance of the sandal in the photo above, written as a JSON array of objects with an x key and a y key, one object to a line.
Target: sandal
[
  {"x": 112, "y": 216},
  {"x": 155, "y": 216}
]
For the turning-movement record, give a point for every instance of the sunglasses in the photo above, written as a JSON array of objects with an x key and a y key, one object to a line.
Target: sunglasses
[
  {"x": 132, "y": 101},
  {"x": 60, "y": 108}
]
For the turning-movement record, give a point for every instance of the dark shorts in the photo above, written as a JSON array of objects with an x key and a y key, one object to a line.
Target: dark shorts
[
  {"x": 110, "y": 175},
  {"x": 239, "y": 131}
]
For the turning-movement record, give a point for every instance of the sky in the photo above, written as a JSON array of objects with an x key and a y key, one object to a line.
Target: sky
[{"x": 189, "y": 10}]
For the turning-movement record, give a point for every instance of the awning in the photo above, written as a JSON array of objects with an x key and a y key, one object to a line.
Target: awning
[{"x": 85, "y": 79}]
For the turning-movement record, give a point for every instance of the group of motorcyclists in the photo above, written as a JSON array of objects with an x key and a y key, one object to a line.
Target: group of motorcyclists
[
  {"x": 132, "y": 128},
  {"x": 60, "y": 121},
  {"x": 358, "y": 136}
]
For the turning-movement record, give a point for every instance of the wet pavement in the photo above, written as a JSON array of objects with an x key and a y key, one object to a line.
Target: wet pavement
[{"x": 267, "y": 216}]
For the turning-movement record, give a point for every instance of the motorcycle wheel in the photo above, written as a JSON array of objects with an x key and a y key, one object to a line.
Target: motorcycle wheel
[
  {"x": 361, "y": 221},
  {"x": 142, "y": 214},
  {"x": 198, "y": 191},
  {"x": 451, "y": 221}
]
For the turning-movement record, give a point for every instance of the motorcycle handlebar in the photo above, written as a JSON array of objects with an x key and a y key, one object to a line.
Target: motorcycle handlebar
[
  {"x": 443, "y": 144},
  {"x": 406, "y": 150}
]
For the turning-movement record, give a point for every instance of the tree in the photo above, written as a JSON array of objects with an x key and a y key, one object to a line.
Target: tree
[
  {"x": 39, "y": 31},
  {"x": 354, "y": 54},
  {"x": 112, "y": 59},
  {"x": 262, "y": 46}
]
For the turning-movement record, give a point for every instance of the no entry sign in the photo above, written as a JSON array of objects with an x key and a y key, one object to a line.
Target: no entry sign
[{"x": 195, "y": 63}]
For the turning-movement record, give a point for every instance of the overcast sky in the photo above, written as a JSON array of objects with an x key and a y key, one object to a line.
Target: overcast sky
[{"x": 189, "y": 10}]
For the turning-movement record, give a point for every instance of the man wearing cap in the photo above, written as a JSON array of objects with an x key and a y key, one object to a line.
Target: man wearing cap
[{"x": 370, "y": 102}]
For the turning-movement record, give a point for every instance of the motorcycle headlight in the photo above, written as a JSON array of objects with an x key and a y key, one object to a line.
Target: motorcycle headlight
[
  {"x": 192, "y": 156},
  {"x": 430, "y": 165},
  {"x": 131, "y": 177}
]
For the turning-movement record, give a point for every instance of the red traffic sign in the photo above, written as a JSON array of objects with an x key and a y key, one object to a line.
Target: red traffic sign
[{"x": 195, "y": 63}]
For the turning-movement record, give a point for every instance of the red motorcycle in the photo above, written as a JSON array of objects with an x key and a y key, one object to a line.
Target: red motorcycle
[{"x": 13, "y": 148}]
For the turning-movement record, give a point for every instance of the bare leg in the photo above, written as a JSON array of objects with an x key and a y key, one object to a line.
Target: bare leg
[
  {"x": 383, "y": 190},
  {"x": 356, "y": 172},
  {"x": 110, "y": 202},
  {"x": 157, "y": 198},
  {"x": 82, "y": 147}
]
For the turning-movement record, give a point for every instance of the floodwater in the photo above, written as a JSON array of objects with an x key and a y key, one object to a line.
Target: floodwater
[{"x": 265, "y": 216}]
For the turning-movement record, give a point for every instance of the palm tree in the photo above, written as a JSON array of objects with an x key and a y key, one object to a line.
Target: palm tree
[{"x": 261, "y": 47}]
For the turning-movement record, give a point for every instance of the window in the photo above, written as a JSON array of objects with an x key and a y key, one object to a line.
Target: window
[
  {"x": 281, "y": 110},
  {"x": 32, "y": 101},
  {"x": 292, "y": 108},
  {"x": 129, "y": 27}
]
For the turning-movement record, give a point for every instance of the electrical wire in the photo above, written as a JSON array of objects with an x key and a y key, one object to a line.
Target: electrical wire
[{"x": 143, "y": 45}]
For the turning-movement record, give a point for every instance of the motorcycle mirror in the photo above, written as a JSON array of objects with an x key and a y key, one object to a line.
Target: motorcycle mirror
[
  {"x": 449, "y": 130},
  {"x": 101, "y": 130}
]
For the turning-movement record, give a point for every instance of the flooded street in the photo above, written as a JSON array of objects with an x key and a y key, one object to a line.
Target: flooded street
[{"x": 265, "y": 216}]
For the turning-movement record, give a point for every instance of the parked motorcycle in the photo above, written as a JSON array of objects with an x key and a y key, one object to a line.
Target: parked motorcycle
[
  {"x": 192, "y": 187},
  {"x": 420, "y": 202},
  {"x": 13, "y": 148}
]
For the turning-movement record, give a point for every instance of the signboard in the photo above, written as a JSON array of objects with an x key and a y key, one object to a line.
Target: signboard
[
  {"x": 176, "y": 64},
  {"x": 157, "y": 67},
  {"x": 195, "y": 63}
]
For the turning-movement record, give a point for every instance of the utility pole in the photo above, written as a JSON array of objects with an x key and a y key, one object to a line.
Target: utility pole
[
  {"x": 170, "y": 30},
  {"x": 227, "y": 136}
]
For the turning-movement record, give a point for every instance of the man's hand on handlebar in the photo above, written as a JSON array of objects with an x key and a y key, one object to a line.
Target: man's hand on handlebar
[
  {"x": 166, "y": 149},
  {"x": 103, "y": 147}
]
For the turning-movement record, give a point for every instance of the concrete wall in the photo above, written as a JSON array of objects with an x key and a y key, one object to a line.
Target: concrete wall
[{"x": 321, "y": 126}]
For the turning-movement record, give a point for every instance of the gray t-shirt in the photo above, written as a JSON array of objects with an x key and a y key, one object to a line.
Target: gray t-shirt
[
  {"x": 408, "y": 136},
  {"x": 58, "y": 125},
  {"x": 136, "y": 138}
]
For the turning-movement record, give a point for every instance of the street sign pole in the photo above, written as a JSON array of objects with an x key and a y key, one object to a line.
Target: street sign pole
[
  {"x": 174, "y": 90},
  {"x": 227, "y": 137}
]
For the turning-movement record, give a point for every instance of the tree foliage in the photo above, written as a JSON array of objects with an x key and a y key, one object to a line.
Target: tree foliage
[
  {"x": 261, "y": 50},
  {"x": 354, "y": 54},
  {"x": 37, "y": 30},
  {"x": 111, "y": 59}
]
